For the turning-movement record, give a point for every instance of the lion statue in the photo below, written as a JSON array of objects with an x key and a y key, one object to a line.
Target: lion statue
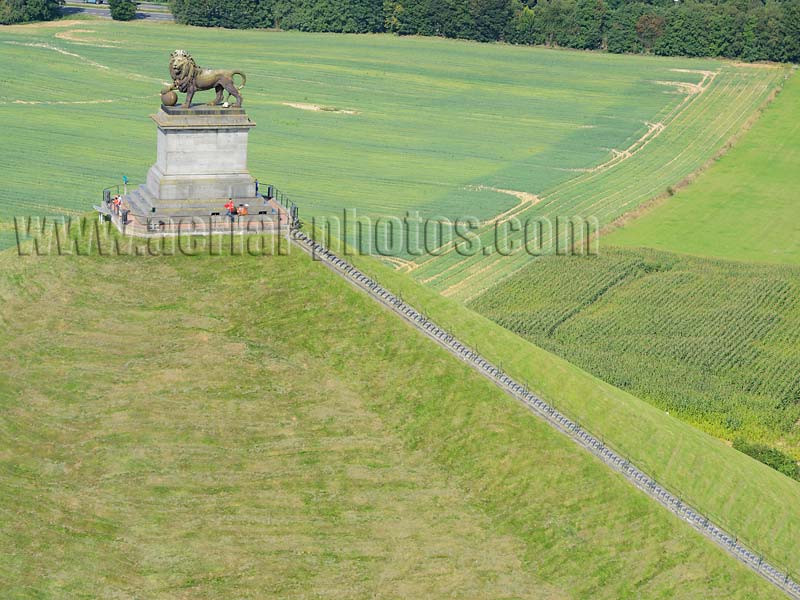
[{"x": 189, "y": 78}]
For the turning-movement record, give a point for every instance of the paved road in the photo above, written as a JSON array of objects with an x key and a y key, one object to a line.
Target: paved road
[{"x": 144, "y": 11}]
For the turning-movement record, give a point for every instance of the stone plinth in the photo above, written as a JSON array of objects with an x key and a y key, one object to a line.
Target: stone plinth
[{"x": 201, "y": 162}]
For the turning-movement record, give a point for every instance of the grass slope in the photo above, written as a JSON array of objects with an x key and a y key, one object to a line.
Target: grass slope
[
  {"x": 759, "y": 504},
  {"x": 714, "y": 342},
  {"x": 745, "y": 206},
  {"x": 251, "y": 426}
]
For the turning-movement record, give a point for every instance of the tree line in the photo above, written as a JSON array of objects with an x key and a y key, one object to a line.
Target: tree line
[
  {"x": 742, "y": 29},
  {"x": 748, "y": 30},
  {"x": 122, "y": 10},
  {"x": 21, "y": 11}
]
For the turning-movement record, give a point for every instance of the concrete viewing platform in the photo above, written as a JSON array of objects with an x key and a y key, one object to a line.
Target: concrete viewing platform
[
  {"x": 201, "y": 165},
  {"x": 264, "y": 215},
  {"x": 199, "y": 182}
]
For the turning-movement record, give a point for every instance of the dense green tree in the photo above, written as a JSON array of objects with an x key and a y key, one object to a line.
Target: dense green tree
[
  {"x": 21, "y": 11},
  {"x": 743, "y": 29},
  {"x": 522, "y": 29},
  {"x": 491, "y": 18},
  {"x": 622, "y": 35},
  {"x": 122, "y": 10},
  {"x": 590, "y": 23},
  {"x": 791, "y": 31}
]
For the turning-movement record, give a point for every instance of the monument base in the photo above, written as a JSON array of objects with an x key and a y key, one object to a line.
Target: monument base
[{"x": 201, "y": 163}]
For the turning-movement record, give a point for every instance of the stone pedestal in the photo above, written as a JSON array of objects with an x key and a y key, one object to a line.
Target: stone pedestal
[{"x": 201, "y": 163}]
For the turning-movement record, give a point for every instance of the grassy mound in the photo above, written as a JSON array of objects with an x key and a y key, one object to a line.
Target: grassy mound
[
  {"x": 251, "y": 426},
  {"x": 761, "y": 505},
  {"x": 715, "y": 342}
]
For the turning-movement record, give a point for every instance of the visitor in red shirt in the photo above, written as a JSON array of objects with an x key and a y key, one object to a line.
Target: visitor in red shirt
[{"x": 230, "y": 210}]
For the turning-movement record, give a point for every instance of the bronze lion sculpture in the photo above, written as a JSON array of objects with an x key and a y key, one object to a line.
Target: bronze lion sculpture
[{"x": 188, "y": 77}]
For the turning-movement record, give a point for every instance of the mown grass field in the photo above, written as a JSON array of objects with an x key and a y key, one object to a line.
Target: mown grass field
[
  {"x": 253, "y": 426},
  {"x": 711, "y": 341},
  {"x": 434, "y": 126},
  {"x": 745, "y": 206}
]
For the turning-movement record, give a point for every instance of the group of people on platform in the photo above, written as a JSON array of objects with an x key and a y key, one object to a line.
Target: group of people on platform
[
  {"x": 115, "y": 206},
  {"x": 232, "y": 211}
]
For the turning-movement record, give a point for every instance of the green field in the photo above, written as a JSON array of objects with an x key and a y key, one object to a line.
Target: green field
[
  {"x": 431, "y": 125},
  {"x": 711, "y": 341},
  {"x": 227, "y": 426},
  {"x": 252, "y": 426},
  {"x": 690, "y": 135},
  {"x": 745, "y": 206}
]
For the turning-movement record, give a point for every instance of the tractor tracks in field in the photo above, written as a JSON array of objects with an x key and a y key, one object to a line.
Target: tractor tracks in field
[
  {"x": 83, "y": 59},
  {"x": 618, "y": 157},
  {"x": 558, "y": 420}
]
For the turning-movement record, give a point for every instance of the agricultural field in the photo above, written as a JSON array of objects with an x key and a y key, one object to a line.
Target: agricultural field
[
  {"x": 745, "y": 206},
  {"x": 679, "y": 142},
  {"x": 233, "y": 428},
  {"x": 714, "y": 342},
  {"x": 201, "y": 438},
  {"x": 420, "y": 125}
]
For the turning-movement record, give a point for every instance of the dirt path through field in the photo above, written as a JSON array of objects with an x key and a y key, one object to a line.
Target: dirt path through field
[
  {"x": 70, "y": 102},
  {"x": 319, "y": 108},
  {"x": 73, "y": 35},
  {"x": 525, "y": 199},
  {"x": 83, "y": 59}
]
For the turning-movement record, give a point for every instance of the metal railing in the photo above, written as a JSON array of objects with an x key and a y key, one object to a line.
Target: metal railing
[
  {"x": 273, "y": 193},
  {"x": 215, "y": 220},
  {"x": 675, "y": 501}
]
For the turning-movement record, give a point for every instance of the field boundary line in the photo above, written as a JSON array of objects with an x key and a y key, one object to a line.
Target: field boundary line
[
  {"x": 556, "y": 419},
  {"x": 656, "y": 201}
]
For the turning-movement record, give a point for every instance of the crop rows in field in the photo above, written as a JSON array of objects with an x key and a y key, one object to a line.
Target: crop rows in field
[
  {"x": 690, "y": 136},
  {"x": 716, "y": 342}
]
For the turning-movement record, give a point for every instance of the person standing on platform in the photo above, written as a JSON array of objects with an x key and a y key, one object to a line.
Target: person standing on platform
[{"x": 230, "y": 210}]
